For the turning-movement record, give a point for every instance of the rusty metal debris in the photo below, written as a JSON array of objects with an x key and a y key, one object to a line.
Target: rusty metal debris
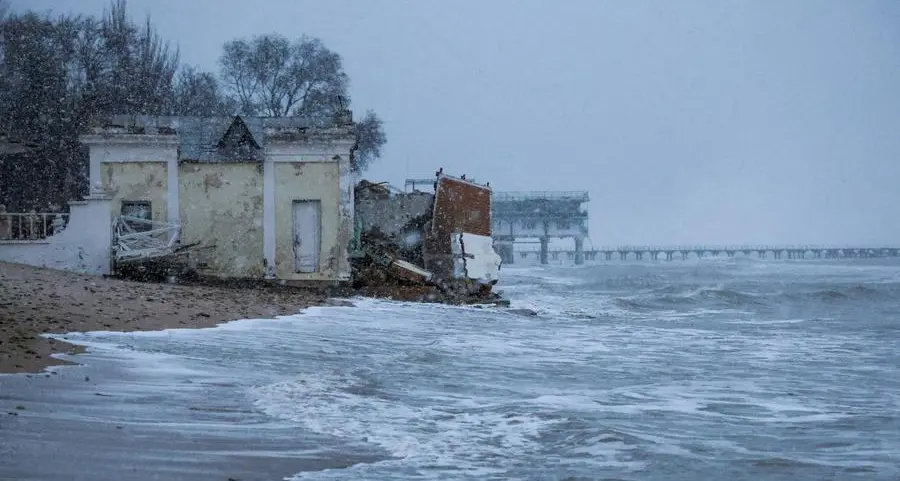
[{"x": 441, "y": 239}]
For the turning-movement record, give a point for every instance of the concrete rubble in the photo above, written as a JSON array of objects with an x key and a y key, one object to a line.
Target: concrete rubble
[{"x": 438, "y": 244}]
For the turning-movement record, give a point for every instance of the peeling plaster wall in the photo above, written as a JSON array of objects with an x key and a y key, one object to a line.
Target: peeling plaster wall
[
  {"x": 133, "y": 150},
  {"x": 322, "y": 172},
  {"x": 308, "y": 181},
  {"x": 84, "y": 246},
  {"x": 137, "y": 181},
  {"x": 240, "y": 213},
  {"x": 222, "y": 205}
]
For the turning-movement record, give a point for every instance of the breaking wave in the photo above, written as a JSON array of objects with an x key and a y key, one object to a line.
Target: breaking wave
[
  {"x": 684, "y": 371},
  {"x": 648, "y": 292}
]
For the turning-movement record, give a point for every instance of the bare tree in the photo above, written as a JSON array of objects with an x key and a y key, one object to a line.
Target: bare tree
[
  {"x": 141, "y": 66},
  {"x": 57, "y": 73},
  {"x": 270, "y": 75},
  {"x": 369, "y": 138},
  {"x": 197, "y": 93}
]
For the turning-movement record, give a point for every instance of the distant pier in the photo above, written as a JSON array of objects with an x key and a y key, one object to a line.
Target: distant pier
[
  {"x": 671, "y": 253},
  {"x": 542, "y": 216}
]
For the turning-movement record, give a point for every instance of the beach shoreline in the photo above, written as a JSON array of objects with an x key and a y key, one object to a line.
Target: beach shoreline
[
  {"x": 36, "y": 301},
  {"x": 44, "y": 386}
]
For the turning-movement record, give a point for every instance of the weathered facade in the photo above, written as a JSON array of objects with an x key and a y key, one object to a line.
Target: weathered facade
[{"x": 264, "y": 198}]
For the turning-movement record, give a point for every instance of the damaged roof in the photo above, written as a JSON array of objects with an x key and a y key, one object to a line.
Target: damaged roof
[
  {"x": 204, "y": 139},
  {"x": 224, "y": 138}
]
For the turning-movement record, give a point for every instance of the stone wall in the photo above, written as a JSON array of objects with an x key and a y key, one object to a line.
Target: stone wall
[{"x": 390, "y": 213}]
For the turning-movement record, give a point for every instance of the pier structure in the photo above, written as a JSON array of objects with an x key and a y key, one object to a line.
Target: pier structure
[
  {"x": 669, "y": 253},
  {"x": 539, "y": 215}
]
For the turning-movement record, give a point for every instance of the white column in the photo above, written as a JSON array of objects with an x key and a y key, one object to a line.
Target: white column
[
  {"x": 269, "y": 216},
  {"x": 97, "y": 153},
  {"x": 346, "y": 201},
  {"x": 172, "y": 206}
]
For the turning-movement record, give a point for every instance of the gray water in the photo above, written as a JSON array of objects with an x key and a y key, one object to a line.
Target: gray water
[{"x": 717, "y": 369}]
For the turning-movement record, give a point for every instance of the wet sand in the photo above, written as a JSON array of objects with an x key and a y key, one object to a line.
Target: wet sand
[
  {"x": 34, "y": 301},
  {"x": 116, "y": 418},
  {"x": 100, "y": 421}
]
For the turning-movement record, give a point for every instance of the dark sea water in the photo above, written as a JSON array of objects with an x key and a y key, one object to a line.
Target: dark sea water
[{"x": 686, "y": 370}]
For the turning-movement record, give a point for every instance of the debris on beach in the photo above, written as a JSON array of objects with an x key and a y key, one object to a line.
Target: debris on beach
[{"x": 440, "y": 240}]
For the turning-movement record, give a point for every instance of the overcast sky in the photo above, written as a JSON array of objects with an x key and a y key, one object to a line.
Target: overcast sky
[{"x": 763, "y": 121}]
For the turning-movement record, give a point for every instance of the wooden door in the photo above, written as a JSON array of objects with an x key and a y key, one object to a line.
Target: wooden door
[{"x": 307, "y": 235}]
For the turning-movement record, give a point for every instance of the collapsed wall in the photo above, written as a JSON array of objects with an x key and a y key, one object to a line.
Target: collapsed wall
[{"x": 440, "y": 239}]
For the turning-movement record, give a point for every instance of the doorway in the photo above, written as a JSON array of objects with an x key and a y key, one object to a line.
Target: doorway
[{"x": 307, "y": 240}]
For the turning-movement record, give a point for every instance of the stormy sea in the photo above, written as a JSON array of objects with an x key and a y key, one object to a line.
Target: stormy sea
[{"x": 738, "y": 369}]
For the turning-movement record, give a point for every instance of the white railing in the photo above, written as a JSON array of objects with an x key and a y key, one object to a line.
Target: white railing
[
  {"x": 31, "y": 226},
  {"x": 137, "y": 238}
]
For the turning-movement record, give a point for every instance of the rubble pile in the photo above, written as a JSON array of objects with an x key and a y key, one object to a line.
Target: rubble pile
[{"x": 428, "y": 246}]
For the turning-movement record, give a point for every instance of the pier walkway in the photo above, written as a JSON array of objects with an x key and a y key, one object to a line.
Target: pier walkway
[{"x": 692, "y": 251}]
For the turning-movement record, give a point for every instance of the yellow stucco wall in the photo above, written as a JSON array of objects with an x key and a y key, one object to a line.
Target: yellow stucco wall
[
  {"x": 222, "y": 205},
  {"x": 307, "y": 181},
  {"x": 137, "y": 181}
]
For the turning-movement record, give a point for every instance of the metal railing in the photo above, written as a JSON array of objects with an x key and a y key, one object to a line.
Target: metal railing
[
  {"x": 31, "y": 226},
  {"x": 523, "y": 216},
  {"x": 137, "y": 239},
  {"x": 734, "y": 248},
  {"x": 579, "y": 195}
]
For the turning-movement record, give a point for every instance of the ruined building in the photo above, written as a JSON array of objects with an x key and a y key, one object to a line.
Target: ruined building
[
  {"x": 260, "y": 198},
  {"x": 441, "y": 238},
  {"x": 267, "y": 198}
]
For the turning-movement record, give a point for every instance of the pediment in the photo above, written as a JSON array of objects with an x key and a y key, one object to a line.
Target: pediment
[
  {"x": 238, "y": 142},
  {"x": 238, "y": 134}
]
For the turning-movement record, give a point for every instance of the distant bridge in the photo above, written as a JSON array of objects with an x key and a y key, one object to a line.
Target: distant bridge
[{"x": 699, "y": 252}]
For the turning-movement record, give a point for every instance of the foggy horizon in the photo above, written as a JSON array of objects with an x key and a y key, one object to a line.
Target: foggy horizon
[{"x": 701, "y": 122}]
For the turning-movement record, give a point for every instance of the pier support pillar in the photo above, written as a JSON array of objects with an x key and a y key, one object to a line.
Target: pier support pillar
[
  {"x": 579, "y": 251},
  {"x": 545, "y": 246},
  {"x": 506, "y": 251}
]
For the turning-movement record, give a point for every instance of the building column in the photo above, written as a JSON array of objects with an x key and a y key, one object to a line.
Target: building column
[
  {"x": 579, "y": 251},
  {"x": 347, "y": 203},
  {"x": 545, "y": 246},
  {"x": 173, "y": 213},
  {"x": 97, "y": 153},
  {"x": 269, "y": 216}
]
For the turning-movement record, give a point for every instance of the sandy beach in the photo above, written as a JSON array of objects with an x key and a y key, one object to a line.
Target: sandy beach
[
  {"x": 34, "y": 301},
  {"x": 139, "y": 433}
]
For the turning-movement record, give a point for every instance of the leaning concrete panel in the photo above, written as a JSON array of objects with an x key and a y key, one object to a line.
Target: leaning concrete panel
[{"x": 459, "y": 206}]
